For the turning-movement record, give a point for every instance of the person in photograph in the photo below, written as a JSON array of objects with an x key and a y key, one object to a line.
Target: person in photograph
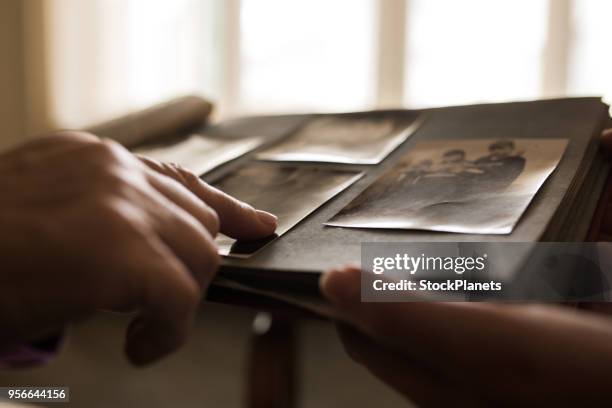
[
  {"x": 453, "y": 164},
  {"x": 502, "y": 166},
  {"x": 414, "y": 174},
  {"x": 448, "y": 180}
]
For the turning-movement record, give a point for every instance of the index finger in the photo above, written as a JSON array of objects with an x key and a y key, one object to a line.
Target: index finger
[{"x": 238, "y": 219}]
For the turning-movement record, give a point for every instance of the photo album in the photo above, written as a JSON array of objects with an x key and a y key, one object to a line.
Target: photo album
[{"x": 512, "y": 172}]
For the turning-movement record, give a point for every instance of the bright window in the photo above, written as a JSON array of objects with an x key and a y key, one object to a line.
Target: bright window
[
  {"x": 307, "y": 55},
  {"x": 258, "y": 56},
  {"x": 474, "y": 50},
  {"x": 590, "y": 70}
]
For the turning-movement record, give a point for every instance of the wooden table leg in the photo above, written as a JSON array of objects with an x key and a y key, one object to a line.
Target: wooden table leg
[{"x": 272, "y": 371}]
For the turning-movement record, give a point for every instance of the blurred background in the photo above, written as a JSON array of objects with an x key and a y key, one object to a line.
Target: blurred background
[{"x": 72, "y": 63}]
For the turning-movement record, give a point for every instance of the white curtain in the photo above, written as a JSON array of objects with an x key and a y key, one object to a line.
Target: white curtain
[{"x": 105, "y": 57}]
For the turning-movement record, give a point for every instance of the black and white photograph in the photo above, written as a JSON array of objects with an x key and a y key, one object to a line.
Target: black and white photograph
[
  {"x": 470, "y": 186},
  {"x": 363, "y": 139},
  {"x": 200, "y": 153},
  {"x": 290, "y": 192}
]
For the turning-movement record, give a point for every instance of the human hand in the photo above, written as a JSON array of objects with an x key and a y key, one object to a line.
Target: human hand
[
  {"x": 476, "y": 354},
  {"x": 87, "y": 226}
]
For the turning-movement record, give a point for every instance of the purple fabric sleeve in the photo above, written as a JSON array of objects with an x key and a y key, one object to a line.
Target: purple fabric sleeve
[{"x": 30, "y": 355}]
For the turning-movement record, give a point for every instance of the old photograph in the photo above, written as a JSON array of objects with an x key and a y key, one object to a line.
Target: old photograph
[
  {"x": 470, "y": 186},
  {"x": 200, "y": 153},
  {"x": 289, "y": 192},
  {"x": 349, "y": 139}
]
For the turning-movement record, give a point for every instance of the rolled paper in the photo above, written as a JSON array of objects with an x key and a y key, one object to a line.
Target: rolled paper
[{"x": 166, "y": 120}]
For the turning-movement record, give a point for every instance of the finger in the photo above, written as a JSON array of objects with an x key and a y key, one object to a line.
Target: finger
[
  {"x": 445, "y": 334},
  {"x": 521, "y": 344},
  {"x": 167, "y": 296},
  {"x": 187, "y": 238},
  {"x": 606, "y": 142},
  {"x": 455, "y": 337},
  {"x": 179, "y": 195},
  {"x": 404, "y": 375},
  {"x": 237, "y": 219}
]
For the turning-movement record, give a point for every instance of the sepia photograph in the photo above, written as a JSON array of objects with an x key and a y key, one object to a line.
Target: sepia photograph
[
  {"x": 469, "y": 186},
  {"x": 290, "y": 192},
  {"x": 201, "y": 153},
  {"x": 348, "y": 139}
]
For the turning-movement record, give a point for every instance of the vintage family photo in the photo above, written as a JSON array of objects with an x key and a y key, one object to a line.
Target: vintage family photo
[
  {"x": 469, "y": 186},
  {"x": 200, "y": 153},
  {"x": 290, "y": 192},
  {"x": 355, "y": 139}
]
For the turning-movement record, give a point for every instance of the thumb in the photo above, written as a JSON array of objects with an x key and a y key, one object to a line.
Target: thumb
[{"x": 441, "y": 332}]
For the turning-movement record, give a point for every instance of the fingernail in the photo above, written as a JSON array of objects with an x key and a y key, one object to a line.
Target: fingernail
[
  {"x": 342, "y": 285},
  {"x": 267, "y": 218}
]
